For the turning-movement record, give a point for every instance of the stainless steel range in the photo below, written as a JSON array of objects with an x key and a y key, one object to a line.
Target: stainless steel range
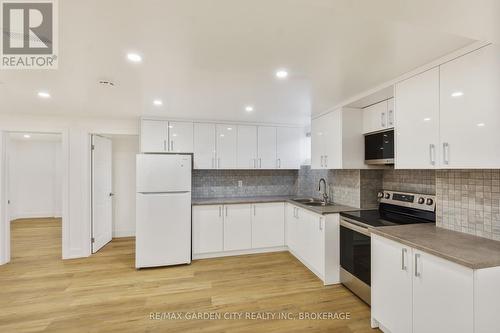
[{"x": 395, "y": 208}]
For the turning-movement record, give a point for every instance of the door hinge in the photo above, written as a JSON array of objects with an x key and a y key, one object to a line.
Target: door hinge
[
  {"x": 92, "y": 240},
  {"x": 92, "y": 147}
]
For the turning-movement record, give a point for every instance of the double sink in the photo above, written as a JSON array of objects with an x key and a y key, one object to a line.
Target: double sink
[{"x": 313, "y": 202}]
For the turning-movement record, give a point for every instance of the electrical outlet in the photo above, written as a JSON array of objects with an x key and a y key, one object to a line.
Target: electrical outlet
[{"x": 240, "y": 183}]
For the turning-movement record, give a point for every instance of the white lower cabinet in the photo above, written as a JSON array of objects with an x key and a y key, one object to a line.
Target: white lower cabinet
[
  {"x": 413, "y": 291},
  {"x": 314, "y": 240},
  {"x": 268, "y": 225},
  {"x": 220, "y": 230}
]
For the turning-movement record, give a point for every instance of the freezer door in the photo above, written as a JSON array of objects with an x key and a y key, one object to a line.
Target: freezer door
[
  {"x": 163, "y": 229},
  {"x": 163, "y": 173}
]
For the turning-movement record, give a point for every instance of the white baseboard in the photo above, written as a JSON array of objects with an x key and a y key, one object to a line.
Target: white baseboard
[
  {"x": 238, "y": 252},
  {"x": 34, "y": 215},
  {"x": 123, "y": 233}
]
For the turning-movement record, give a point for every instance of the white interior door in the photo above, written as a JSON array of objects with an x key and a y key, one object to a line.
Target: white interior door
[
  {"x": 102, "y": 222},
  {"x": 4, "y": 203}
]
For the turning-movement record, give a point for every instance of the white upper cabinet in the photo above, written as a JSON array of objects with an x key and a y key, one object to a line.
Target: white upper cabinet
[
  {"x": 376, "y": 117},
  {"x": 247, "y": 147},
  {"x": 417, "y": 126},
  {"x": 289, "y": 141},
  {"x": 470, "y": 110},
  {"x": 181, "y": 137},
  {"x": 337, "y": 140},
  {"x": 204, "y": 146},
  {"x": 227, "y": 146},
  {"x": 154, "y": 136},
  {"x": 266, "y": 144}
]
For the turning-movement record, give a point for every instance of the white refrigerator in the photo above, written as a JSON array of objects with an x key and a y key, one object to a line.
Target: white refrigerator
[{"x": 163, "y": 210}]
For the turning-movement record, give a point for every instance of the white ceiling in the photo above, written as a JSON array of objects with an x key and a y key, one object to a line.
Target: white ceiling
[{"x": 208, "y": 59}]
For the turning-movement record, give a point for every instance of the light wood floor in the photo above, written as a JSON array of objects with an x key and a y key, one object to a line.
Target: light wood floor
[{"x": 39, "y": 292}]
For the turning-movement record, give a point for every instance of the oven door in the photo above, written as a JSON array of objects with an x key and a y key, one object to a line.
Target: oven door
[{"x": 355, "y": 258}]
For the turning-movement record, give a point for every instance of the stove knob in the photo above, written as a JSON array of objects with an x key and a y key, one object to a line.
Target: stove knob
[
  {"x": 421, "y": 200},
  {"x": 380, "y": 194},
  {"x": 387, "y": 195},
  {"x": 429, "y": 201}
]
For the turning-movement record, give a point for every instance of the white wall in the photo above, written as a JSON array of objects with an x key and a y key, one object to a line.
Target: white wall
[
  {"x": 35, "y": 178},
  {"x": 124, "y": 150},
  {"x": 76, "y": 174}
]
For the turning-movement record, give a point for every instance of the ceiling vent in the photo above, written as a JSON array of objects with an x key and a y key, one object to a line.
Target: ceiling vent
[{"x": 106, "y": 83}]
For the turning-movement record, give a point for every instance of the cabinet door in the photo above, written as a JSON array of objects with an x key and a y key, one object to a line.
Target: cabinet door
[
  {"x": 332, "y": 133},
  {"x": 375, "y": 117},
  {"x": 268, "y": 225},
  {"x": 227, "y": 146},
  {"x": 204, "y": 146},
  {"x": 470, "y": 110},
  {"x": 247, "y": 147},
  {"x": 208, "y": 226},
  {"x": 417, "y": 121},
  {"x": 442, "y": 295},
  {"x": 154, "y": 136},
  {"x": 288, "y": 146},
  {"x": 237, "y": 227},
  {"x": 290, "y": 226},
  {"x": 316, "y": 241},
  {"x": 266, "y": 147},
  {"x": 181, "y": 137},
  {"x": 391, "y": 276},
  {"x": 317, "y": 143}
]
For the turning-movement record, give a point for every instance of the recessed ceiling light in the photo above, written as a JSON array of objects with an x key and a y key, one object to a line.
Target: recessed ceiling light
[
  {"x": 281, "y": 74},
  {"x": 229, "y": 128},
  {"x": 27, "y": 136},
  {"x": 457, "y": 94},
  {"x": 249, "y": 108},
  {"x": 134, "y": 57},
  {"x": 158, "y": 102},
  {"x": 427, "y": 119},
  {"x": 481, "y": 125},
  {"x": 43, "y": 94}
]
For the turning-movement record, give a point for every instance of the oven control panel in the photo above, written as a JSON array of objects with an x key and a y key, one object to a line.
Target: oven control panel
[{"x": 413, "y": 200}]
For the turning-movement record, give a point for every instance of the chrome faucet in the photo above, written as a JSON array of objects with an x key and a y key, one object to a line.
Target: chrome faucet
[{"x": 325, "y": 196}]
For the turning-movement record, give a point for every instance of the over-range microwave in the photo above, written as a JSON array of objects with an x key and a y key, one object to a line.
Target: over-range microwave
[{"x": 379, "y": 148}]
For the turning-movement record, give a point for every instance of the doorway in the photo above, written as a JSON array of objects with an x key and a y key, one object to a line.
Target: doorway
[{"x": 34, "y": 179}]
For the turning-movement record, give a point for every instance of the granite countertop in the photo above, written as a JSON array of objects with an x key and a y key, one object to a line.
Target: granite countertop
[
  {"x": 467, "y": 250},
  {"x": 322, "y": 210}
]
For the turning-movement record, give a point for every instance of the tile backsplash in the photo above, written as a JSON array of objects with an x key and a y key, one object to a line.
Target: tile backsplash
[
  {"x": 469, "y": 201},
  {"x": 414, "y": 181},
  {"x": 224, "y": 183}
]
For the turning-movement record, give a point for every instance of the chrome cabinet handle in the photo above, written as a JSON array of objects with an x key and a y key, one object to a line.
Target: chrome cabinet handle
[
  {"x": 326, "y": 161},
  {"x": 383, "y": 122},
  {"x": 403, "y": 254},
  {"x": 226, "y": 211},
  {"x": 218, "y": 162},
  {"x": 278, "y": 163},
  {"x": 417, "y": 273},
  {"x": 254, "y": 210},
  {"x": 391, "y": 117},
  {"x": 213, "y": 163},
  {"x": 260, "y": 163},
  {"x": 164, "y": 145},
  {"x": 446, "y": 153},
  {"x": 321, "y": 161},
  {"x": 220, "y": 211},
  {"x": 254, "y": 163},
  {"x": 432, "y": 152},
  {"x": 172, "y": 145},
  {"x": 320, "y": 224}
]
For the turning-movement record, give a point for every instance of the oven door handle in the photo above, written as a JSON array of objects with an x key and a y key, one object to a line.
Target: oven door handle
[{"x": 355, "y": 227}]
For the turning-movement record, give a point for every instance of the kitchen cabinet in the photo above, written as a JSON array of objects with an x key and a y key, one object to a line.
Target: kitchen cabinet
[
  {"x": 227, "y": 146},
  {"x": 391, "y": 285},
  {"x": 314, "y": 239},
  {"x": 469, "y": 110},
  {"x": 162, "y": 136},
  {"x": 417, "y": 130},
  {"x": 288, "y": 143},
  {"x": 268, "y": 225},
  {"x": 154, "y": 136},
  {"x": 414, "y": 291},
  {"x": 181, "y": 137},
  {"x": 337, "y": 140},
  {"x": 378, "y": 117},
  {"x": 237, "y": 227},
  {"x": 247, "y": 147},
  {"x": 208, "y": 229},
  {"x": 266, "y": 147},
  {"x": 204, "y": 146}
]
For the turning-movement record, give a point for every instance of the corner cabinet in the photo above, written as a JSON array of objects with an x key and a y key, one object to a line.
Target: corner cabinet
[
  {"x": 448, "y": 117},
  {"x": 337, "y": 140},
  {"x": 313, "y": 239},
  {"x": 416, "y": 292}
]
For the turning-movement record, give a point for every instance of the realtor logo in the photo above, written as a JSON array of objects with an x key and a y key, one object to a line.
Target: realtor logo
[{"x": 29, "y": 34}]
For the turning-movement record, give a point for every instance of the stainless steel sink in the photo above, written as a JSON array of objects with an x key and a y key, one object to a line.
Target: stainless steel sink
[{"x": 310, "y": 202}]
